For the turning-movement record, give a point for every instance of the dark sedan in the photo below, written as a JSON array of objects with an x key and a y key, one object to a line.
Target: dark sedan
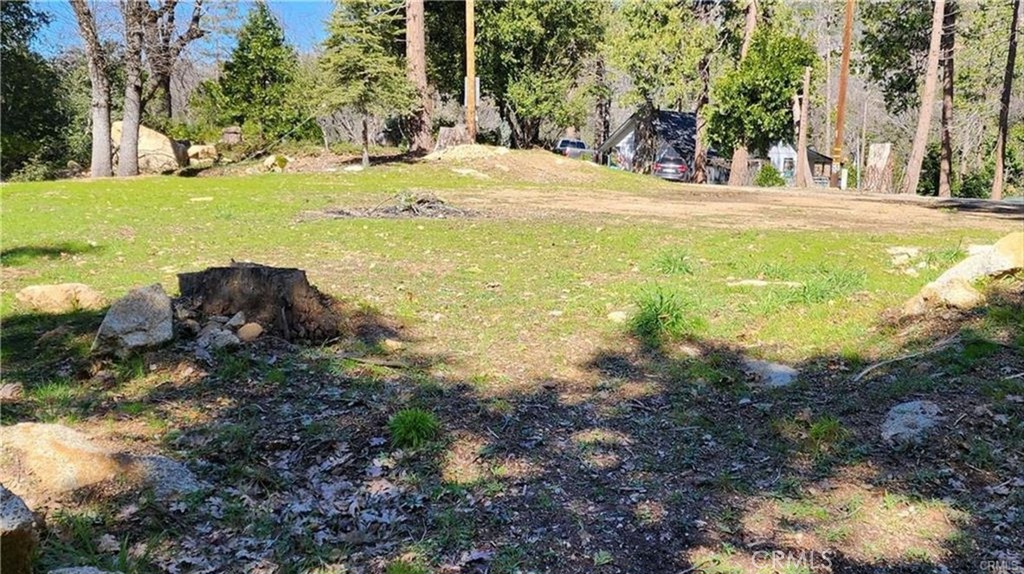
[{"x": 672, "y": 167}]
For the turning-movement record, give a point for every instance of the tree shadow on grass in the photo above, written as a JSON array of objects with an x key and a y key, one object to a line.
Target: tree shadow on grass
[
  {"x": 672, "y": 461},
  {"x": 22, "y": 254}
]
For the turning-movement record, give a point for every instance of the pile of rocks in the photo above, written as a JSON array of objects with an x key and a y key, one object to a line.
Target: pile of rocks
[{"x": 219, "y": 332}]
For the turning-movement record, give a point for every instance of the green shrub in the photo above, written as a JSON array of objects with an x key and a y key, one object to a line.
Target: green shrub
[
  {"x": 663, "y": 316},
  {"x": 673, "y": 263},
  {"x": 34, "y": 169},
  {"x": 413, "y": 427},
  {"x": 768, "y": 176}
]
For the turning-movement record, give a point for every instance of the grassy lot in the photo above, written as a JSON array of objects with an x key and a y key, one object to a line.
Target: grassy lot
[{"x": 583, "y": 368}]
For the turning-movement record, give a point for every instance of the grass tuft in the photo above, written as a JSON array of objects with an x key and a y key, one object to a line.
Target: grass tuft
[
  {"x": 664, "y": 316},
  {"x": 673, "y": 263},
  {"x": 413, "y": 427}
]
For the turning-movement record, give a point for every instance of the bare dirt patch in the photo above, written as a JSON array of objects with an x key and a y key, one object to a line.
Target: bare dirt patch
[{"x": 734, "y": 208}]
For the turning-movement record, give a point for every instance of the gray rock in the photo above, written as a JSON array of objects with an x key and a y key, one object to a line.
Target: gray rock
[
  {"x": 18, "y": 534},
  {"x": 908, "y": 423},
  {"x": 236, "y": 320},
  {"x": 216, "y": 338},
  {"x": 168, "y": 478},
  {"x": 143, "y": 318},
  {"x": 770, "y": 374}
]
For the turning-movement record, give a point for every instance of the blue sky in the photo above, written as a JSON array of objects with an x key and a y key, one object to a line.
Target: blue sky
[{"x": 303, "y": 21}]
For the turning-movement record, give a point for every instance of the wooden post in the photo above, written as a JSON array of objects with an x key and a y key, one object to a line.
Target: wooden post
[
  {"x": 844, "y": 74},
  {"x": 470, "y": 72},
  {"x": 804, "y": 177},
  {"x": 862, "y": 162}
]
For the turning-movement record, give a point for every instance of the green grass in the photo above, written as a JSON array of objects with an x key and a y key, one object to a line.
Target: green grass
[
  {"x": 664, "y": 316},
  {"x": 557, "y": 277},
  {"x": 412, "y": 428}
]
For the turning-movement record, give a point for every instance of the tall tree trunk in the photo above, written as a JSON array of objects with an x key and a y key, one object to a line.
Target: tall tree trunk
[
  {"x": 804, "y": 177},
  {"x": 99, "y": 88},
  {"x": 924, "y": 114},
  {"x": 946, "y": 151},
  {"x": 1004, "y": 108},
  {"x": 128, "y": 154},
  {"x": 166, "y": 105},
  {"x": 420, "y": 124},
  {"x": 740, "y": 155},
  {"x": 602, "y": 122},
  {"x": 366, "y": 143},
  {"x": 700, "y": 152},
  {"x": 646, "y": 138}
]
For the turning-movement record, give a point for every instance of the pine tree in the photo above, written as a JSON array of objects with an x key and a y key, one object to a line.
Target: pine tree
[
  {"x": 360, "y": 62},
  {"x": 253, "y": 87}
]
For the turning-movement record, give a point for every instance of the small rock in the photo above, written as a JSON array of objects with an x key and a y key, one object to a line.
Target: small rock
[
  {"x": 771, "y": 374},
  {"x": 618, "y": 316},
  {"x": 168, "y": 478},
  {"x": 353, "y": 168},
  {"x": 236, "y": 320},
  {"x": 392, "y": 345},
  {"x": 907, "y": 423},
  {"x": 62, "y": 298},
  {"x": 218, "y": 319},
  {"x": 49, "y": 337},
  {"x": 190, "y": 326},
  {"x": 249, "y": 332},
  {"x": 214, "y": 337},
  {"x": 11, "y": 392},
  {"x": 202, "y": 152},
  {"x": 142, "y": 318},
  {"x": 18, "y": 534}
]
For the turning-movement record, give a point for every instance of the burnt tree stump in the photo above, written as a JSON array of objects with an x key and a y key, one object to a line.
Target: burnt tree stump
[{"x": 280, "y": 299}]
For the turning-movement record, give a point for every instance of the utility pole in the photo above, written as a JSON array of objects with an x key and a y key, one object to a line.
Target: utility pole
[
  {"x": 844, "y": 74},
  {"x": 470, "y": 73}
]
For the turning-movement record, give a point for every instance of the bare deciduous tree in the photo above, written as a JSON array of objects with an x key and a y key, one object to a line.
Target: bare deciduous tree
[
  {"x": 164, "y": 45},
  {"x": 99, "y": 87},
  {"x": 133, "y": 12}
]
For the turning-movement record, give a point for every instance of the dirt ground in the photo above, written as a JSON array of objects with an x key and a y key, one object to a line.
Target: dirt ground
[{"x": 758, "y": 208}]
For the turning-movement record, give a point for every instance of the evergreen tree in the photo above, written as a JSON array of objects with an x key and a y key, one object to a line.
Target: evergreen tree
[
  {"x": 362, "y": 68},
  {"x": 253, "y": 89}
]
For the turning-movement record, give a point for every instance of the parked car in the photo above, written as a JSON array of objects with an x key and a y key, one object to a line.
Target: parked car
[
  {"x": 570, "y": 148},
  {"x": 670, "y": 165}
]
